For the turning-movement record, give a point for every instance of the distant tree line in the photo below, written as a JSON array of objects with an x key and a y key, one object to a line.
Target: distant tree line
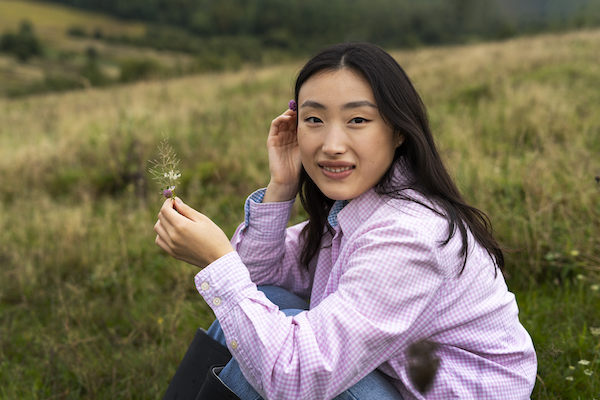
[
  {"x": 298, "y": 25},
  {"x": 214, "y": 27},
  {"x": 225, "y": 34},
  {"x": 306, "y": 24}
]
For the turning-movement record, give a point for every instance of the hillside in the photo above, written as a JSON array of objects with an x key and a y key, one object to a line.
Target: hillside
[
  {"x": 53, "y": 20},
  {"x": 60, "y": 45},
  {"x": 65, "y": 57},
  {"x": 91, "y": 308}
]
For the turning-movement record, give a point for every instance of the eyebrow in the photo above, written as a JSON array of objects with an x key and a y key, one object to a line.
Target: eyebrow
[{"x": 347, "y": 106}]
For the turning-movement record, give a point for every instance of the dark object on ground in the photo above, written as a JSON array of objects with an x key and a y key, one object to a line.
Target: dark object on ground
[
  {"x": 423, "y": 364},
  {"x": 203, "y": 354},
  {"x": 214, "y": 388}
]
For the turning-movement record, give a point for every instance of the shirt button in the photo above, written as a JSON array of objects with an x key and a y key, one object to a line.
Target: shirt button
[
  {"x": 234, "y": 344},
  {"x": 217, "y": 301},
  {"x": 204, "y": 286}
]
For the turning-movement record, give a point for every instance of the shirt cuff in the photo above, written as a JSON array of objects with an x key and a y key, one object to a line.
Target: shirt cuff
[
  {"x": 256, "y": 197},
  {"x": 266, "y": 221},
  {"x": 224, "y": 283}
]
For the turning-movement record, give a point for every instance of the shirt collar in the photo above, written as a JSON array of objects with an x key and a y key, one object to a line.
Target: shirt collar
[
  {"x": 335, "y": 209},
  {"x": 358, "y": 211}
]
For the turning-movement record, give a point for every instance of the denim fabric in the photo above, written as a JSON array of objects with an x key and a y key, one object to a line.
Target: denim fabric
[{"x": 374, "y": 386}]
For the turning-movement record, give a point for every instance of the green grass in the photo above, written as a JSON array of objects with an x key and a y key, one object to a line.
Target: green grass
[
  {"x": 561, "y": 321},
  {"x": 91, "y": 308}
]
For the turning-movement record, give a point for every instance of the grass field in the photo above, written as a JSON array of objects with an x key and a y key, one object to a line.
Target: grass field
[{"x": 91, "y": 308}]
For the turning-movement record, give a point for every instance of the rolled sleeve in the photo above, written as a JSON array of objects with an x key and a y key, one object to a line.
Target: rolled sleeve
[
  {"x": 265, "y": 221},
  {"x": 269, "y": 221}
]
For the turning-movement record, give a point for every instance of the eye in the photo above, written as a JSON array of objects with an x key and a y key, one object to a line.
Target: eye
[
  {"x": 358, "y": 120},
  {"x": 313, "y": 120}
]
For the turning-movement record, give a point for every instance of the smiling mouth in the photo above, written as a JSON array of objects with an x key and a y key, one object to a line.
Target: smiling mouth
[{"x": 336, "y": 170}]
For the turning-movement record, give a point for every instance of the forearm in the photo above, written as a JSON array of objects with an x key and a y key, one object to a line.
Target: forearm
[{"x": 268, "y": 248}]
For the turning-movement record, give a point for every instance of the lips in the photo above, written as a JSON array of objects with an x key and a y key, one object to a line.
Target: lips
[{"x": 336, "y": 169}]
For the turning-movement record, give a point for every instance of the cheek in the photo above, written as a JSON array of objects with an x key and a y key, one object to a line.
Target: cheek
[{"x": 304, "y": 144}]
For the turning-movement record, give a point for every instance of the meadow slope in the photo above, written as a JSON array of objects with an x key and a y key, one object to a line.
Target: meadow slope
[
  {"x": 65, "y": 59},
  {"x": 91, "y": 308}
]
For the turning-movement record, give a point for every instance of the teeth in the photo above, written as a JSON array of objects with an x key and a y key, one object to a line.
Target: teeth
[{"x": 337, "y": 170}]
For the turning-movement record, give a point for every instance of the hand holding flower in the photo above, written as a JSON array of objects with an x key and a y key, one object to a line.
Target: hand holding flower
[{"x": 188, "y": 235}]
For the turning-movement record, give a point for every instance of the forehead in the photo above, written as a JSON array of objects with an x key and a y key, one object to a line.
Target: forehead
[{"x": 337, "y": 86}]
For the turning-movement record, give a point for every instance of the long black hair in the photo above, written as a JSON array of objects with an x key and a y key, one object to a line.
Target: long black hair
[{"x": 402, "y": 108}]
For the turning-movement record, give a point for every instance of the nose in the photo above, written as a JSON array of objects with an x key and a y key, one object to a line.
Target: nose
[{"x": 335, "y": 141}]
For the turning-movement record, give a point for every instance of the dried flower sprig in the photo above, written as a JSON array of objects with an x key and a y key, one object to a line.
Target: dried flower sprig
[{"x": 164, "y": 171}]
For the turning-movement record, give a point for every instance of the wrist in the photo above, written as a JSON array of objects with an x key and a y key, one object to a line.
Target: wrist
[
  {"x": 221, "y": 253},
  {"x": 279, "y": 193}
]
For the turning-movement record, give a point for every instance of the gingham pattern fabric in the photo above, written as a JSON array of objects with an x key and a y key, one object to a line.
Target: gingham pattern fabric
[
  {"x": 381, "y": 283},
  {"x": 335, "y": 209}
]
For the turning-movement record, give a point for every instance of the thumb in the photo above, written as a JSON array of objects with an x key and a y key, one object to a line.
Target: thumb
[{"x": 182, "y": 208}]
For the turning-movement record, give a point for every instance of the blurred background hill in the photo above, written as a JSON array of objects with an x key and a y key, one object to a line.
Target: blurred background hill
[{"x": 70, "y": 44}]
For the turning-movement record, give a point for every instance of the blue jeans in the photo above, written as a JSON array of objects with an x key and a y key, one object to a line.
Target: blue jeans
[{"x": 373, "y": 386}]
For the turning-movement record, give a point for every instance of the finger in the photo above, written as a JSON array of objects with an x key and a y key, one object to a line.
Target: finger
[
  {"x": 283, "y": 119},
  {"x": 161, "y": 231},
  {"x": 169, "y": 215},
  {"x": 281, "y": 135},
  {"x": 163, "y": 220},
  {"x": 168, "y": 221},
  {"x": 163, "y": 245},
  {"x": 163, "y": 239},
  {"x": 293, "y": 123},
  {"x": 167, "y": 208},
  {"x": 186, "y": 211}
]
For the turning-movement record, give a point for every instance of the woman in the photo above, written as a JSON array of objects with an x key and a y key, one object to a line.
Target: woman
[{"x": 392, "y": 259}]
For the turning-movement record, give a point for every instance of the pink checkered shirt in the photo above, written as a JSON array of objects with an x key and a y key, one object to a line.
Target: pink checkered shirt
[{"x": 381, "y": 283}]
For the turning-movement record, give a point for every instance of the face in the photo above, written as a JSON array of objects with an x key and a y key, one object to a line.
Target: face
[{"x": 345, "y": 145}]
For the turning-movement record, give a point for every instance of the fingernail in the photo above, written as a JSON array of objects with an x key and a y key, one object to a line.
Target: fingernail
[{"x": 178, "y": 200}]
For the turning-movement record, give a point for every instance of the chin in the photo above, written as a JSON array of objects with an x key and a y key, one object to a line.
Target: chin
[{"x": 335, "y": 195}]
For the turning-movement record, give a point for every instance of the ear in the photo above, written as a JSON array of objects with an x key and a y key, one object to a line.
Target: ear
[{"x": 399, "y": 139}]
